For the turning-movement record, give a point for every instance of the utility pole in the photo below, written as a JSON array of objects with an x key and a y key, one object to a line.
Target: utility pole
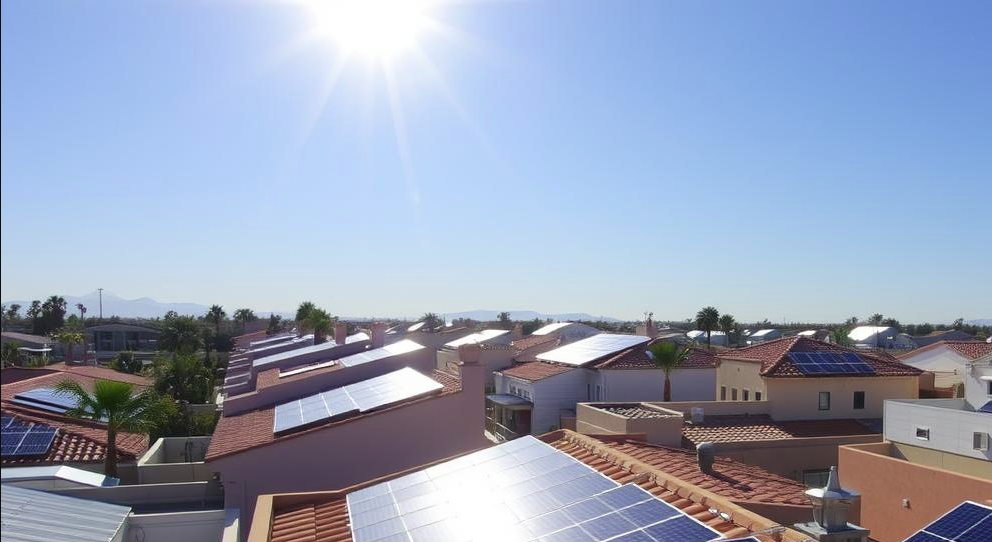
[{"x": 101, "y": 303}]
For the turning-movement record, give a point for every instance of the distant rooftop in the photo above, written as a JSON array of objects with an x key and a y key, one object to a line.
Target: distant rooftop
[{"x": 762, "y": 427}]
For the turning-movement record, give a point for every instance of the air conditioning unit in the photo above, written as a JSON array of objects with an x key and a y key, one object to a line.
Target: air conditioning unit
[
  {"x": 981, "y": 441},
  {"x": 698, "y": 415}
]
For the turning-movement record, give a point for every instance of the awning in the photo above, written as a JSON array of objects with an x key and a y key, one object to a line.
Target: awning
[{"x": 510, "y": 401}]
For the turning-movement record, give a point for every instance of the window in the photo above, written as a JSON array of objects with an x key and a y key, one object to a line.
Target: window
[
  {"x": 757, "y": 396},
  {"x": 989, "y": 391},
  {"x": 824, "y": 403},
  {"x": 816, "y": 478},
  {"x": 733, "y": 394},
  {"x": 922, "y": 433},
  {"x": 598, "y": 392},
  {"x": 723, "y": 393},
  {"x": 859, "y": 400},
  {"x": 981, "y": 441},
  {"x": 746, "y": 395}
]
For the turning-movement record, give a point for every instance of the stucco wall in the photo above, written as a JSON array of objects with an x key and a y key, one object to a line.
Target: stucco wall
[
  {"x": 790, "y": 457},
  {"x": 950, "y": 428},
  {"x": 649, "y": 384},
  {"x": 193, "y": 526},
  {"x": 552, "y": 395},
  {"x": 946, "y": 364},
  {"x": 797, "y": 398},
  {"x": 742, "y": 375},
  {"x": 885, "y": 481},
  {"x": 664, "y": 431}
]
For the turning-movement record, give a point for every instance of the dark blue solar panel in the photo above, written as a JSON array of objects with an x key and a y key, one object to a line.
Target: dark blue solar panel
[
  {"x": 11, "y": 440},
  {"x": 987, "y": 407},
  {"x": 959, "y": 520},
  {"x": 7, "y": 420},
  {"x": 586, "y": 510},
  {"x": 548, "y": 523},
  {"x": 48, "y": 396},
  {"x": 829, "y": 363},
  {"x": 37, "y": 441},
  {"x": 924, "y": 537},
  {"x": 681, "y": 529},
  {"x": 607, "y": 526},
  {"x": 649, "y": 512},
  {"x": 982, "y": 532},
  {"x": 624, "y": 496},
  {"x": 572, "y": 534},
  {"x": 636, "y": 536}
]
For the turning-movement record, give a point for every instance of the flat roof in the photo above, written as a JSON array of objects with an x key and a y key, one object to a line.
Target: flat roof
[
  {"x": 57, "y": 472},
  {"x": 30, "y": 515}
]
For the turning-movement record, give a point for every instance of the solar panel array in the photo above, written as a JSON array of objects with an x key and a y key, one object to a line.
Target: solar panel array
[
  {"x": 520, "y": 490},
  {"x": 364, "y": 396},
  {"x": 967, "y": 522},
  {"x": 830, "y": 363},
  {"x": 477, "y": 338},
  {"x": 987, "y": 407},
  {"x": 398, "y": 348},
  {"x": 592, "y": 348},
  {"x": 45, "y": 399},
  {"x": 19, "y": 439}
]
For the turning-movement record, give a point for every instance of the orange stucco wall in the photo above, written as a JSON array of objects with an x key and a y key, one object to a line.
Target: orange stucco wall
[{"x": 884, "y": 482}]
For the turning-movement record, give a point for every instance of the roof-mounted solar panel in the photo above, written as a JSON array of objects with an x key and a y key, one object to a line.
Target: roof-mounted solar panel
[
  {"x": 830, "y": 363},
  {"x": 966, "y": 522},
  {"x": 23, "y": 440},
  {"x": 592, "y": 348}
]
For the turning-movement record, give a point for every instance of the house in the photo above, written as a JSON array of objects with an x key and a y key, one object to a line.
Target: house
[
  {"x": 493, "y": 340},
  {"x": 716, "y": 338},
  {"x": 549, "y": 337},
  {"x": 30, "y": 408},
  {"x": 822, "y": 335},
  {"x": 534, "y": 397},
  {"x": 806, "y": 379},
  {"x": 947, "y": 360},
  {"x": 29, "y": 514},
  {"x": 338, "y": 424},
  {"x": 884, "y": 337},
  {"x": 763, "y": 335},
  {"x": 944, "y": 335},
  {"x": 109, "y": 339},
  {"x": 561, "y": 486},
  {"x": 935, "y": 455}
]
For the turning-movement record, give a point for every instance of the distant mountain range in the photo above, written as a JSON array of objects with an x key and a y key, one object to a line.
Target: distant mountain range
[{"x": 144, "y": 307}]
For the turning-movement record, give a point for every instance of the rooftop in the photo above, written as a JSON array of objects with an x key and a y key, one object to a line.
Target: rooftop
[
  {"x": 325, "y": 516},
  {"x": 775, "y": 362},
  {"x": 763, "y": 427},
  {"x": 639, "y": 357},
  {"x": 77, "y": 441},
  {"x": 477, "y": 338},
  {"x": 533, "y": 371},
  {"x": 971, "y": 350},
  {"x": 634, "y": 411},
  {"x": 31, "y": 515}
]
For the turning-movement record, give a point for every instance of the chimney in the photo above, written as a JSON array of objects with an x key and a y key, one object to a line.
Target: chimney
[
  {"x": 517, "y": 333},
  {"x": 705, "y": 456},
  {"x": 473, "y": 376},
  {"x": 378, "y": 335},
  {"x": 340, "y": 332},
  {"x": 650, "y": 329},
  {"x": 830, "y": 506}
]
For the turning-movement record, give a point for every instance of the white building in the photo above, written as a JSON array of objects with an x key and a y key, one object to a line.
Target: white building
[
  {"x": 947, "y": 360},
  {"x": 887, "y": 337},
  {"x": 763, "y": 335},
  {"x": 717, "y": 338}
]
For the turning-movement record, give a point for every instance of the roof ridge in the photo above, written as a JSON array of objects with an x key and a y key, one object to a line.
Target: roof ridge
[{"x": 795, "y": 339}]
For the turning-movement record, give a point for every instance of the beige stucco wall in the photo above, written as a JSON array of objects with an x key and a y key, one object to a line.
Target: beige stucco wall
[
  {"x": 742, "y": 375},
  {"x": 797, "y": 398},
  {"x": 665, "y": 431},
  {"x": 790, "y": 457},
  {"x": 936, "y": 458}
]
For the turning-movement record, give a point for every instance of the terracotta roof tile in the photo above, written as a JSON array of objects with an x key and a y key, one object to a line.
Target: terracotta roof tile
[
  {"x": 532, "y": 371},
  {"x": 48, "y": 379},
  {"x": 324, "y": 516},
  {"x": 971, "y": 350},
  {"x": 103, "y": 373},
  {"x": 252, "y": 429},
  {"x": 637, "y": 358},
  {"x": 775, "y": 363},
  {"x": 534, "y": 340},
  {"x": 77, "y": 441},
  {"x": 762, "y": 427}
]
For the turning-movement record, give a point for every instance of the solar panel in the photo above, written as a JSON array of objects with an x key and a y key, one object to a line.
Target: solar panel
[
  {"x": 987, "y": 407},
  {"x": 967, "y": 522},
  {"x": 20, "y": 439},
  {"x": 398, "y": 348},
  {"x": 831, "y": 363},
  {"x": 592, "y": 348},
  {"x": 364, "y": 396},
  {"x": 480, "y": 337},
  {"x": 49, "y": 397},
  {"x": 513, "y": 491}
]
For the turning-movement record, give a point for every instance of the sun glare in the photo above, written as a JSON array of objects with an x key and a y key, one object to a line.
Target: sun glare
[{"x": 381, "y": 28}]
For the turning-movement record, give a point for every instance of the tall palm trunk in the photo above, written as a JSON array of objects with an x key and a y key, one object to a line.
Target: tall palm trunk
[
  {"x": 668, "y": 388},
  {"x": 110, "y": 461}
]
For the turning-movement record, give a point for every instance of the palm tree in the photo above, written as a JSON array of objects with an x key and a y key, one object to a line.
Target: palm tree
[
  {"x": 69, "y": 339},
  {"x": 431, "y": 321},
  {"x": 839, "y": 336},
  {"x": 302, "y": 312},
  {"x": 180, "y": 335},
  {"x": 115, "y": 402},
  {"x": 707, "y": 319},
  {"x": 876, "y": 319},
  {"x": 667, "y": 356},
  {"x": 82, "y": 311},
  {"x": 320, "y": 322},
  {"x": 728, "y": 325},
  {"x": 216, "y": 315},
  {"x": 244, "y": 316}
]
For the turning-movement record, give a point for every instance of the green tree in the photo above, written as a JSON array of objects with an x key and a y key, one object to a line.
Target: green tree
[
  {"x": 707, "y": 319},
  {"x": 275, "y": 324},
  {"x": 851, "y": 322},
  {"x": 302, "y": 312},
  {"x": 69, "y": 340},
  {"x": 216, "y": 315},
  {"x": 126, "y": 362},
  {"x": 34, "y": 314},
  {"x": 183, "y": 377},
  {"x": 431, "y": 321},
  {"x": 668, "y": 356},
  {"x": 320, "y": 323},
  {"x": 958, "y": 324},
  {"x": 53, "y": 312},
  {"x": 123, "y": 410},
  {"x": 876, "y": 319},
  {"x": 840, "y": 337},
  {"x": 82, "y": 311},
  {"x": 244, "y": 316},
  {"x": 11, "y": 355},
  {"x": 924, "y": 329},
  {"x": 180, "y": 335},
  {"x": 10, "y": 314},
  {"x": 504, "y": 320},
  {"x": 728, "y": 325},
  {"x": 170, "y": 315}
]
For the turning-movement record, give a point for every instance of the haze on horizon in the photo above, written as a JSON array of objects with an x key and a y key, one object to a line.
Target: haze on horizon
[{"x": 776, "y": 163}]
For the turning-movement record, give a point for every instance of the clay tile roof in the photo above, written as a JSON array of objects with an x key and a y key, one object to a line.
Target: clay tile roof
[
  {"x": 775, "y": 363},
  {"x": 324, "y": 516},
  {"x": 637, "y": 358},
  {"x": 47, "y": 378},
  {"x": 241, "y": 432},
  {"x": 532, "y": 371},
  {"x": 534, "y": 340},
  {"x": 971, "y": 350},
  {"x": 762, "y": 427},
  {"x": 102, "y": 373},
  {"x": 77, "y": 441}
]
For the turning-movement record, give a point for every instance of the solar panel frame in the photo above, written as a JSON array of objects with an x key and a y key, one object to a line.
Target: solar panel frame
[
  {"x": 967, "y": 522},
  {"x": 830, "y": 363},
  {"x": 592, "y": 348},
  {"x": 27, "y": 440}
]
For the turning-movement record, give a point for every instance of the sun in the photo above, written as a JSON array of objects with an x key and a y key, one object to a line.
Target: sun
[{"x": 378, "y": 28}]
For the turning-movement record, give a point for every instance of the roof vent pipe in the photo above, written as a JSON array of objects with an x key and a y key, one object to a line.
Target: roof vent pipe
[{"x": 705, "y": 456}]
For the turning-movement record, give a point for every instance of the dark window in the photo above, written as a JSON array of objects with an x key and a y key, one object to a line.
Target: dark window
[
  {"x": 824, "y": 400},
  {"x": 757, "y": 396},
  {"x": 733, "y": 394},
  {"x": 723, "y": 393},
  {"x": 859, "y": 400},
  {"x": 746, "y": 395}
]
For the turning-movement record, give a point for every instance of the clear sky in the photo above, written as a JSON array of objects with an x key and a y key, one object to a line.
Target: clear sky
[{"x": 799, "y": 160}]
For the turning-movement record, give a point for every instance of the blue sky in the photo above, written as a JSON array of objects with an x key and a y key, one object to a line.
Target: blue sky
[{"x": 798, "y": 160}]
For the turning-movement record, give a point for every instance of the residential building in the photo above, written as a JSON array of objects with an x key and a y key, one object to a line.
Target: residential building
[
  {"x": 535, "y": 397},
  {"x": 941, "y": 335},
  {"x": 716, "y": 338},
  {"x": 581, "y": 488},
  {"x": 549, "y": 337},
  {"x": 884, "y": 337},
  {"x": 109, "y": 339},
  {"x": 823, "y": 335},
  {"x": 342, "y": 423},
  {"x": 806, "y": 379},
  {"x": 948, "y": 360},
  {"x": 763, "y": 335}
]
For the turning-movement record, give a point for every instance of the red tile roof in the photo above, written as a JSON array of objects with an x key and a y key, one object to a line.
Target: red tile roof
[
  {"x": 971, "y": 350},
  {"x": 637, "y": 358},
  {"x": 48, "y": 379},
  {"x": 324, "y": 516},
  {"x": 731, "y": 479},
  {"x": 103, "y": 373},
  {"x": 534, "y": 340},
  {"x": 78, "y": 441},
  {"x": 775, "y": 363},
  {"x": 532, "y": 371},
  {"x": 762, "y": 427},
  {"x": 241, "y": 432}
]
